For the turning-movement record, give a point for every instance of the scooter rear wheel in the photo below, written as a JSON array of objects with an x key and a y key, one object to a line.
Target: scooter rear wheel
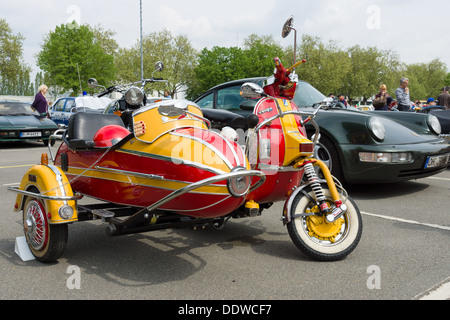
[{"x": 317, "y": 238}]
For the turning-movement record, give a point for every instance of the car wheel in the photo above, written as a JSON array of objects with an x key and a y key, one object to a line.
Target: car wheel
[{"x": 326, "y": 152}]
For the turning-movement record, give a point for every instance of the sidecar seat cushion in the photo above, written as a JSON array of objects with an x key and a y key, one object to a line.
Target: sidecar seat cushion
[{"x": 83, "y": 126}]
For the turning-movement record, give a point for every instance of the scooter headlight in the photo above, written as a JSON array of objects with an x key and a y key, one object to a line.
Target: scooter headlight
[
  {"x": 134, "y": 96},
  {"x": 238, "y": 186}
]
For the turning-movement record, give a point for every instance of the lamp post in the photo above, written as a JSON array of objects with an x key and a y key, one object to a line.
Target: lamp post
[{"x": 142, "y": 52}]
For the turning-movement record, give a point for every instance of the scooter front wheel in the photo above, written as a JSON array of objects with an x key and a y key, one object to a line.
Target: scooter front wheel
[{"x": 315, "y": 236}]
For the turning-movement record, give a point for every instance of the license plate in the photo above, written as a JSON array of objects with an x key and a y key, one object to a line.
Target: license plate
[
  {"x": 437, "y": 161},
  {"x": 30, "y": 134}
]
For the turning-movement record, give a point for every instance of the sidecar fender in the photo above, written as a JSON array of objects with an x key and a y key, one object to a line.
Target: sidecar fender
[{"x": 54, "y": 189}]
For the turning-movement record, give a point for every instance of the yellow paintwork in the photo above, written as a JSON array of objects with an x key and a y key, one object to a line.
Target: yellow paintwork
[
  {"x": 154, "y": 129},
  {"x": 292, "y": 136},
  {"x": 136, "y": 180},
  {"x": 329, "y": 178},
  {"x": 44, "y": 179}
]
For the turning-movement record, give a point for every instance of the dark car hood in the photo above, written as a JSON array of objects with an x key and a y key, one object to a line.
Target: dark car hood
[
  {"x": 355, "y": 130},
  {"x": 25, "y": 121},
  {"x": 444, "y": 119}
]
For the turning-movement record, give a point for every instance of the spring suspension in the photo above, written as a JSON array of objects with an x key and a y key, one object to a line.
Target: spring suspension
[{"x": 316, "y": 187}]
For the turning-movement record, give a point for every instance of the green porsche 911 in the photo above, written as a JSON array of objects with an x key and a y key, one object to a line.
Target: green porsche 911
[{"x": 358, "y": 146}]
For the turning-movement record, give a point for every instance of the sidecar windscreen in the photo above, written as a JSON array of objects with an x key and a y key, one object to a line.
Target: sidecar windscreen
[{"x": 84, "y": 126}]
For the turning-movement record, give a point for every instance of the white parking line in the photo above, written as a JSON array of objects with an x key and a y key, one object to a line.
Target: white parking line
[
  {"x": 438, "y": 178},
  {"x": 436, "y": 226},
  {"x": 439, "y": 292}
]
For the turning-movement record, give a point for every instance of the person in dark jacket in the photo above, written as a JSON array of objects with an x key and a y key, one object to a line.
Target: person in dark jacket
[{"x": 40, "y": 103}]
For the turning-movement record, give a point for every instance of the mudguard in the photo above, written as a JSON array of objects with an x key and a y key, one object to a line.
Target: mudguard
[{"x": 51, "y": 183}]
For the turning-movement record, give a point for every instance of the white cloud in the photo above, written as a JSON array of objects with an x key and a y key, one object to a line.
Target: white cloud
[{"x": 413, "y": 28}]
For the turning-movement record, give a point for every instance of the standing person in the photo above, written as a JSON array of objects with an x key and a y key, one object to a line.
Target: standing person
[
  {"x": 342, "y": 100},
  {"x": 443, "y": 99},
  {"x": 167, "y": 95},
  {"x": 40, "y": 103},
  {"x": 382, "y": 99},
  {"x": 402, "y": 94}
]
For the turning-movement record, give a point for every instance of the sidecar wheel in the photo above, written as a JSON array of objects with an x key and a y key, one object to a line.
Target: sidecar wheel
[
  {"x": 317, "y": 238},
  {"x": 46, "y": 241}
]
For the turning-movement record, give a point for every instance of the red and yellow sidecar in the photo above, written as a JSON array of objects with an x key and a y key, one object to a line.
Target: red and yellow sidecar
[{"x": 171, "y": 171}]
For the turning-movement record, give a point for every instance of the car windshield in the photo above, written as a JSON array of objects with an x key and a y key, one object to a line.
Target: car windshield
[
  {"x": 16, "y": 109},
  {"x": 307, "y": 95}
]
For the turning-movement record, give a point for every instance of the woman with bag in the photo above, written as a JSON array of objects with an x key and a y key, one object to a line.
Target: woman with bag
[{"x": 382, "y": 99}]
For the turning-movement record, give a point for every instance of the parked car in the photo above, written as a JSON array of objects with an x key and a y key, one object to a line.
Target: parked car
[
  {"x": 63, "y": 108},
  {"x": 358, "y": 146},
  {"x": 19, "y": 122}
]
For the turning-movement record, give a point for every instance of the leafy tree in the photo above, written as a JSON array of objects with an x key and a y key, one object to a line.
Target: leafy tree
[
  {"x": 71, "y": 49},
  {"x": 177, "y": 54},
  {"x": 14, "y": 73},
  {"x": 222, "y": 64},
  {"x": 426, "y": 79},
  {"x": 327, "y": 66}
]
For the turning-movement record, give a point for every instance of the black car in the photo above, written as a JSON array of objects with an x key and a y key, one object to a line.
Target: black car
[{"x": 19, "y": 122}]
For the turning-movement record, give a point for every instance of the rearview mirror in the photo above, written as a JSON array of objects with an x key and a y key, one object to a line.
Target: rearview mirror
[
  {"x": 251, "y": 90},
  {"x": 173, "y": 108},
  {"x": 92, "y": 83}
]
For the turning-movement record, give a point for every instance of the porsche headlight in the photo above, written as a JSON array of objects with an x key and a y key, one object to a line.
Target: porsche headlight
[
  {"x": 134, "y": 96},
  {"x": 376, "y": 128},
  {"x": 434, "y": 124}
]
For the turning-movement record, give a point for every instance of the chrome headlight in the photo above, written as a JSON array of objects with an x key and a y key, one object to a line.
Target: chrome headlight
[
  {"x": 238, "y": 186},
  {"x": 134, "y": 96},
  {"x": 376, "y": 128},
  {"x": 434, "y": 124}
]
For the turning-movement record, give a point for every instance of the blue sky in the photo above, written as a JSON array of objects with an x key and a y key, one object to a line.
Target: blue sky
[{"x": 415, "y": 29}]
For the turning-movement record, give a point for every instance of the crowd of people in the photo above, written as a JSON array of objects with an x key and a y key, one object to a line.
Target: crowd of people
[{"x": 383, "y": 101}]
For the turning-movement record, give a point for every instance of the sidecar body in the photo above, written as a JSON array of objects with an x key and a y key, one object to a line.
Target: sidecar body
[{"x": 174, "y": 173}]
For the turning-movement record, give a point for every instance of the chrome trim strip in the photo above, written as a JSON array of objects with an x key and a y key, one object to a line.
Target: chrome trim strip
[
  {"x": 173, "y": 160},
  {"x": 41, "y": 196},
  {"x": 130, "y": 173}
]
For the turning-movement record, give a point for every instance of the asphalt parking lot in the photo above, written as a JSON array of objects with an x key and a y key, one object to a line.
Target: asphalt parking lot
[{"x": 403, "y": 254}]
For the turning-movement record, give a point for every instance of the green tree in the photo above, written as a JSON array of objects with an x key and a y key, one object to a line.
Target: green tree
[
  {"x": 220, "y": 64},
  {"x": 14, "y": 73},
  {"x": 177, "y": 54},
  {"x": 426, "y": 79},
  {"x": 327, "y": 65},
  {"x": 71, "y": 49}
]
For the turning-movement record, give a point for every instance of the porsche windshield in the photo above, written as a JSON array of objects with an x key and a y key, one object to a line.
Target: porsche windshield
[
  {"x": 16, "y": 109},
  {"x": 307, "y": 95}
]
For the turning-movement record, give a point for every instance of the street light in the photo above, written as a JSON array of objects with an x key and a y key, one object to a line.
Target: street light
[{"x": 142, "y": 52}]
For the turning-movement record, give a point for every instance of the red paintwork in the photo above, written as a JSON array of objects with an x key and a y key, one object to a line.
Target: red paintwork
[{"x": 191, "y": 204}]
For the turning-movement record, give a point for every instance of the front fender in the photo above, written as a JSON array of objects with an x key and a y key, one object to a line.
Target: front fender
[
  {"x": 288, "y": 203},
  {"x": 50, "y": 181}
]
